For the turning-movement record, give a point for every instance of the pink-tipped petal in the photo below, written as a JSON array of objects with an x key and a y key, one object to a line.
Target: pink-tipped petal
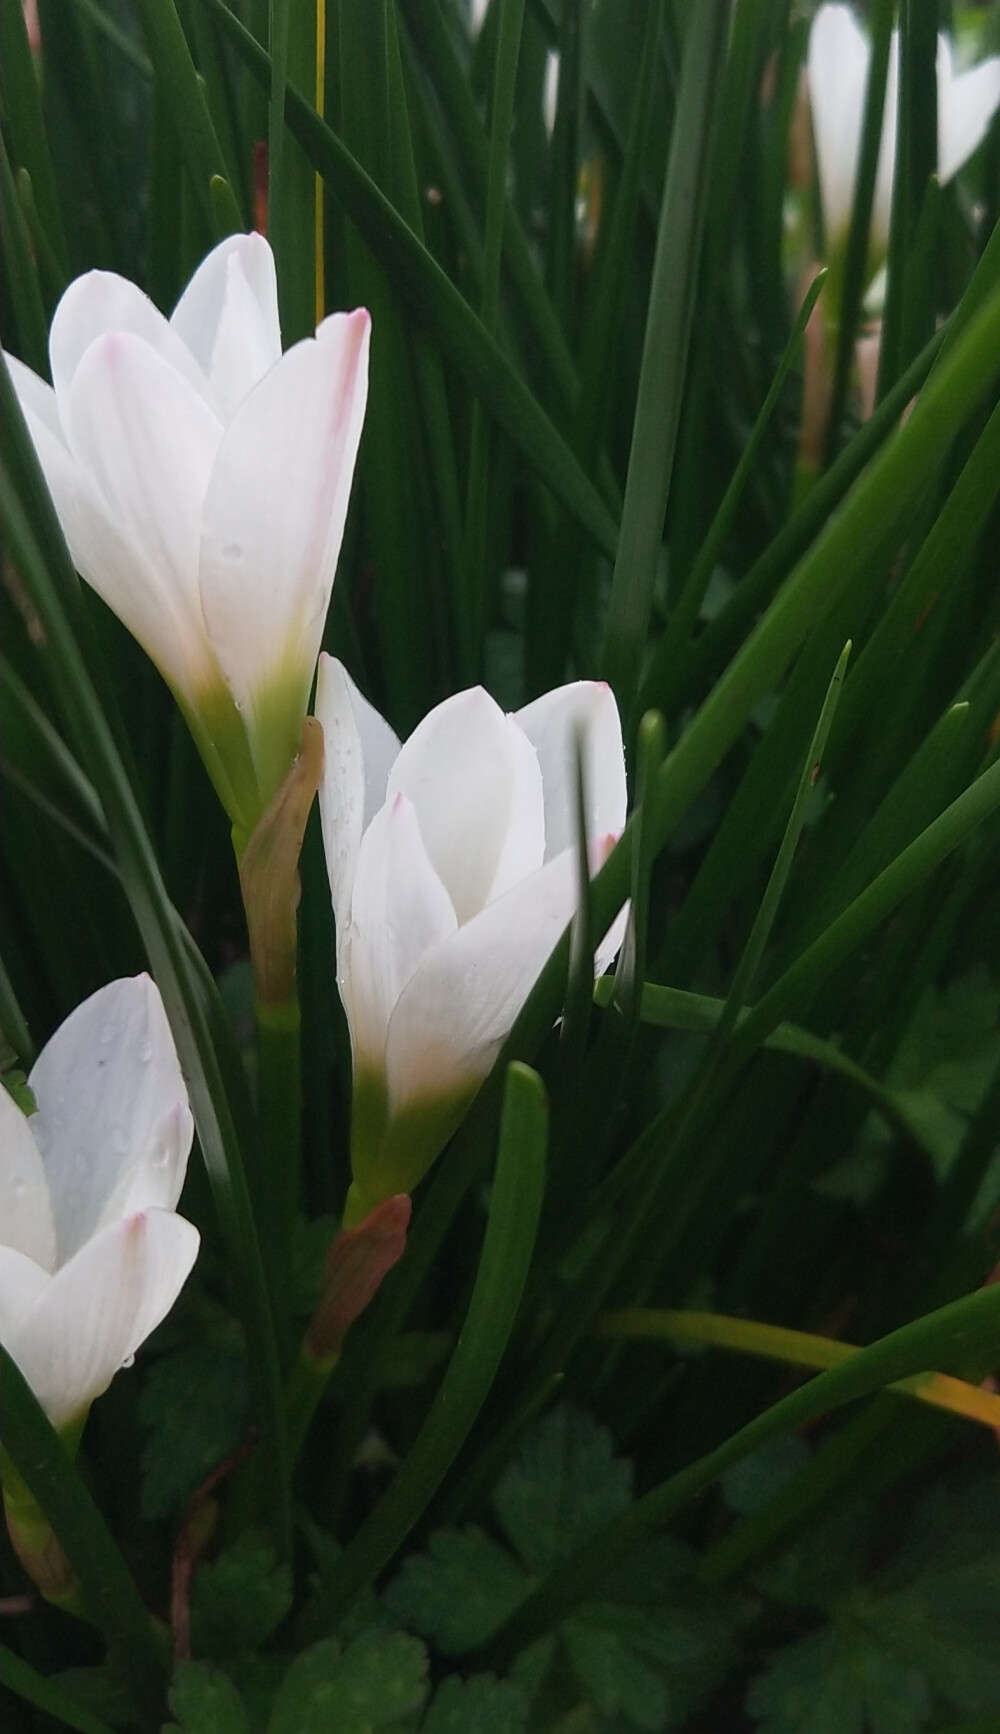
[
  {"x": 585, "y": 711},
  {"x": 96, "y": 1310},
  {"x": 99, "y": 303},
  {"x": 275, "y": 510},
  {"x": 358, "y": 752}
]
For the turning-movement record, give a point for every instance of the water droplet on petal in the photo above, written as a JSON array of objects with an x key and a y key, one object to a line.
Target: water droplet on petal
[
  {"x": 129, "y": 1361},
  {"x": 20, "y": 1187},
  {"x": 146, "y": 1053},
  {"x": 161, "y": 1156},
  {"x": 107, "y": 1034},
  {"x": 80, "y": 1161}
]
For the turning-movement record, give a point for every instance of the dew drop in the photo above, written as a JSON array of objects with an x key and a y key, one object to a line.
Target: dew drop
[
  {"x": 107, "y": 1035},
  {"x": 161, "y": 1156},
  {"x": 129, "y": 1361},
  {"x": 20, "y": 1187},
  {"x": 146, "y": 1053}
]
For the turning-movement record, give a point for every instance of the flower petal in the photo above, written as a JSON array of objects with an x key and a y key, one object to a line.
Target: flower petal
[
  {"x": 22, "y": 1285},
  {"x": 358, "y": 751},
  {"x": 399, "y": 911},
  {"x": 274, "y": 515},
  {"x": 466, "y": 993},
  {"x": 837, "y": 71},
  {"x": 146, "y": 442},
  {"x": 967, "y": 102},
  {"x": 99, "y": 1307},
  {"x": 25, "y": 1208},
  {"x": 100, "y": 302},
  {"x": 228, "y": 318},
  {"x": 113, "y": 1120},
  {"x": 552, "y": 724},
  {"x": 474, "y": 780}
]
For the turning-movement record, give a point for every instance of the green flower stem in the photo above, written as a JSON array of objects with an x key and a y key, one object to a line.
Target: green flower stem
[
  {"x": 37, "y": 1546},
  {"x": 279, "y": 1120}
]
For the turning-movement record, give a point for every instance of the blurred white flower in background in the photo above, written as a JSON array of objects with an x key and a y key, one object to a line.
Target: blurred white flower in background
[{"x": 838, "y": 61}]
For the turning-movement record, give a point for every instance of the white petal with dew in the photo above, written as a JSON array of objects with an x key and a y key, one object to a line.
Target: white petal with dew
[
  {"x": 99, "y": 303},
  {"x": 228, "y": 318},
  {"x": 586, "y": 710},
  {"x": 399, "y": 912},
  {"x": 275, "y": 511},
  {"x": 113, "y": 1117},
  {"x": 99, "y": 1307},
  {"x": 474, "y": 781},
  {"x": 25, "y": 1207},
  {"x": 463, "y": 999},
  {"x": 358, "y": 751}
]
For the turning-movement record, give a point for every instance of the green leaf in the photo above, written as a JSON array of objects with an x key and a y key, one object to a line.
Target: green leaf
[
  {"x": 564, "y": 1485},
  {"x": 205, "y": 1701},
  {"x": 460, "y": 1591},
  {"x": 665, "y": 347},
  {"x": 194, "y": 1403},
  {"x": 372, "y": 1685},
  {"x": 240, "y": 1598},
  {"x": 944, "y": 1064},
  {"x": 480, "y": 1705},
  {"x": 838, "y": 1681}
]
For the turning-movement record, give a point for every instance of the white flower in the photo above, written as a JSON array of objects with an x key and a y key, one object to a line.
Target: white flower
[
  {"x": 202, "y": 479},
  {"x": 453, "y": 871},
  {"x": 92, "y": 1256},
  {"x": 838, "y": 61}
]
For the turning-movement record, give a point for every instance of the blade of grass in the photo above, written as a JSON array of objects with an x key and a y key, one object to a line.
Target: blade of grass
[
  {"x": 794, "y": 1348},
  {"x": 171, "y": 58},
  {"x": 18, "y": 1677},
  {"x": 429, "y": 293},
  {"x": 665, "y": 348},
  {"x": 25, "y": 123},
  {"x": 672, "y": 649}
]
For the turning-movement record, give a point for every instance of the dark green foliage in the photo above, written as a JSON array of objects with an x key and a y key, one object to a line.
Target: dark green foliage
[
  {"x": 921, "y": 1641},
  {"x": 194, "y": 1405},
  {"x": 647, "y": 1656},
  {"x": 373, "y": 1685},
  {"x": 239, "y": 1599}
]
